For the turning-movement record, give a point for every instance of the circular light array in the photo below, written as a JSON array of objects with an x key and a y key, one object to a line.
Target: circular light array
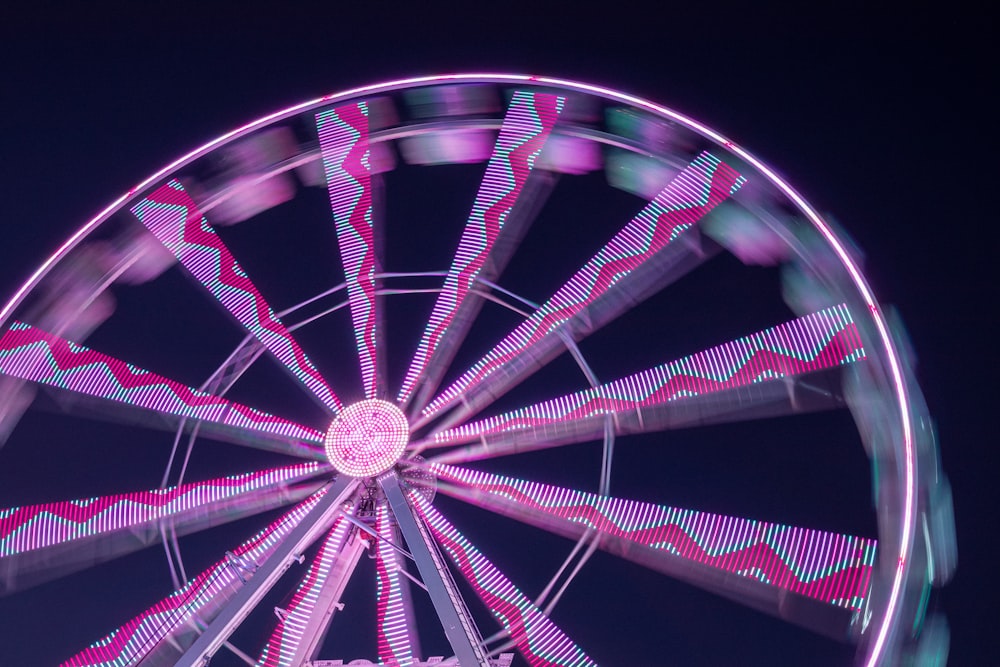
[{"x": 367, "y": 438}]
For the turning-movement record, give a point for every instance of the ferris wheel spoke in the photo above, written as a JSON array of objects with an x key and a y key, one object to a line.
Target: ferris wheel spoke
[
  {"x": 304, "y": 621},
  {"x": 498, "y": 217},
  {"x": 539, "y": 640},
  {"x": 173, "y": 217},
  {"x": 39, "y": 543},
  {"x": 394, "y": 622},
  {"x": 318, "y": 519},
  {"x": 343, "y": 140},
  {"x": 163, "y": 632},
  {"x": 650, "y": 252},
  {"x": 725, "y": 382},
  {"x": 28, "y": 353},
  {"x": 459, "y": 628},
  {"x": 814, "y": 578}
]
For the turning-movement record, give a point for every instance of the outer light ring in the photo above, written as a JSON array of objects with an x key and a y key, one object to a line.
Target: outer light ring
[{"x": 908, "y": 528}]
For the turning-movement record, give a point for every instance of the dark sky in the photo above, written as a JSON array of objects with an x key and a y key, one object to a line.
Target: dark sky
[{"x": 878, "y": 119}]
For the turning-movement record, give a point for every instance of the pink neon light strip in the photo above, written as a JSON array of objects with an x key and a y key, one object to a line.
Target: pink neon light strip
[
  {"x": 343, "y": 140},
  {"x": 201, "y": 598},
  {"x": 527, "y": 124},
  {"x": 702, "y": 186},
  {"x": 818, "y": 341},
  {"x": 829, "y": 567},
  {"x": 540, "y": 640},
  {"x": 282, "y": 645},
  {"x": 173, "y": 217},
  {"x": 29, "y": 353},
  {"x": 392, "y": 625},
  {"x": 39, "y": 526}
]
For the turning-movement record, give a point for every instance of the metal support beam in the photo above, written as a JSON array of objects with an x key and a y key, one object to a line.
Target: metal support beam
[
  {"x": 257, "y": 586},
  {"x": 455, "y": 619}
]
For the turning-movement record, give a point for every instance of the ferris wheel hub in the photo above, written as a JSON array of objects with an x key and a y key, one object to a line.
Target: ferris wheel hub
[{"x": 367, "y": 438}]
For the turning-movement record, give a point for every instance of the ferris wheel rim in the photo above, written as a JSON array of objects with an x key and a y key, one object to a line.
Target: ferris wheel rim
[{"x": 902, "y": 399}]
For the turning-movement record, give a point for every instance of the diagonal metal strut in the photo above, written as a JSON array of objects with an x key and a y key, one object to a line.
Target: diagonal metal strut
[
  {"x": 458, "y": 625},
  {"x": 246, "y": 599}
]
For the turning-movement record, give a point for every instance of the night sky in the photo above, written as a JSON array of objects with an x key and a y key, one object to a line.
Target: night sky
[{"x": 878, "y": 120}]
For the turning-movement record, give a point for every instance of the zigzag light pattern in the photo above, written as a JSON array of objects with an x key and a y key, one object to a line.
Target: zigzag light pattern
[
  {"x": 129, "y": 644},
  {"x": 38, "y": 526},
  {"x": 173, "y": 217},
  {"x": 540, "y": 640},
  {"x": 526, "y": 126},
  {"x": 394, "y": 648},
  {"x": 833, "y": 568},
  {"x": 702, "y": 186},
  {"x": 281, "y": 647},
  {"x": 814, "y": 342},
  {"x": 343, "y": 140},
  {"x": 29, "y": 353}
]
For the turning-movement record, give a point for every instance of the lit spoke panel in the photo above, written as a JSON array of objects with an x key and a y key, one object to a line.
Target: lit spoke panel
[
  {"x": 198, "y": 504},
  {"x": 29, "y": 353},
  {"x": 292, "y": 634},
  {"x": 343, "y": 140},
  {"x": 815, "y": 342},
  {"x": 540, "y": 640},
  {"x": 162, "y": 632},
  {"x": 393, "y": 627},
  {"x": 528, "y": 123},
  {"x": 173, "y": 217},
  {"x": 829, "y": 567}
]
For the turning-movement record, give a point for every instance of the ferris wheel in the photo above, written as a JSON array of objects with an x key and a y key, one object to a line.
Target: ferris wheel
[{"x": 456, "y": 343}]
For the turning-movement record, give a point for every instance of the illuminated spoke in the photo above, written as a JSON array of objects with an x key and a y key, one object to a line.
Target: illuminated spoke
[
  {"x": 640, "y": 260},
  {"x": 311, "y": 527},
  {"x": 303, "y": 622},
  {"x": 173, "y": 217},
  {"x": 740, "y": 379},
  {"x": 394, "y": 619},
  {"x": 497, "y": 219},
  {"x": 539, "y": 640},
  {"x": 456, "y": 621},
  {"x": 783, "y": 570},
  {"x": 29, "y": 353},
  {"x": 343, "y": 140},
  {"x": 164, "y": 631},
  {"x": 42, "y": 542}
]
